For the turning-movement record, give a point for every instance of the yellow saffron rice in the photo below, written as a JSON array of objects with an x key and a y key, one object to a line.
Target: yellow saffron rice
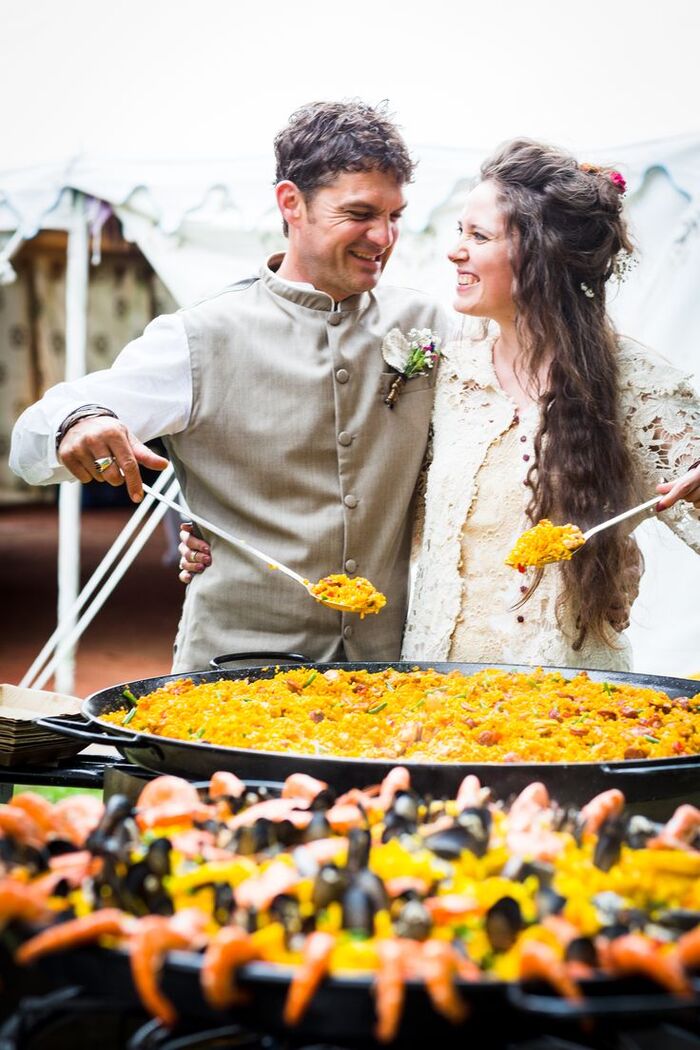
[
  {"x": 545, "y": 543},
  {"x": 356, "y": 594},
  {"x": 491, "y": 716}
]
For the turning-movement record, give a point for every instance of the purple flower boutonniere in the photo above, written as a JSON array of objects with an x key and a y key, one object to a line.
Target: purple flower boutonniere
[{"x": 411, "y": 356}]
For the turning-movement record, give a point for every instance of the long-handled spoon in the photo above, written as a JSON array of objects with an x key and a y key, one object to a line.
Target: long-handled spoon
[
  {"x": 271, "y": 563},
  {"x": 621, "y": 517}
]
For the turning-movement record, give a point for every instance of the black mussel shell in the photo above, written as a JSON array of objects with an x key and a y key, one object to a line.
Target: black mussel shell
[
  {"x": 118, "y": 808},
  {"x": 285, "y": 909},
  {"x": 609, "y": 843},
  {"x": 254, "y": 838},
  {"x": 503, "y": 923},
  {"x": 639, "y": 830},
  {"x": 681, "y": 919},
  {"x": 324, "y": 800},
  {"x": 318, "y": 827},
  {"x": 413, "y": 921},
  {"x": 359, "y": 843},
  {"x": 450, "y": 843},
  {"x": 373, "y": 887},
  {"x": 476, "y": 821},
  {"x": 158, "y": 857},
  {"x": 548, "y": 902},
  {"x": 582, "y": 950},
  {"x": 359, "y": 909},
  {"x": 224, "y": 902},
  {"x": 517, "y": 870},
  {"x": 330, "y": 884}
]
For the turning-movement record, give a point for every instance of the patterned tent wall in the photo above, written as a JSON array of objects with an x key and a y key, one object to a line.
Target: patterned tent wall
[{"x": 124, "y": 295}]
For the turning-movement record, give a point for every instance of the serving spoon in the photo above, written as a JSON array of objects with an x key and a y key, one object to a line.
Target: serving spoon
[
  {"x": 271, "y": 563},
  {"x": 621, "y": 517}
]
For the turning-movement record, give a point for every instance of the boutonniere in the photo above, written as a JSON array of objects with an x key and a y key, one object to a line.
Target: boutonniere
[{"x": 411, "y": 356}]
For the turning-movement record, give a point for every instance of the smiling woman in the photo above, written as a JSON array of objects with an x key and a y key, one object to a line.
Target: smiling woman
[{"x": 544, "y": 412}]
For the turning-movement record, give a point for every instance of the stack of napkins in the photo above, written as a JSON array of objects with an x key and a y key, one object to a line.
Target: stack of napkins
[{"x": 22, "y": 742}]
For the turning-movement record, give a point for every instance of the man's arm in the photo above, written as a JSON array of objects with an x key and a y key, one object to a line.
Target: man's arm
[{"x": 148, "y": 390}]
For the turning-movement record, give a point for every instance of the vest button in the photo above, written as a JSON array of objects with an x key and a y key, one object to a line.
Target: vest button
[
  {"x": 347, "y": 632},
  {"x": 351, "y": 565},
  {"x": 342, "y": 375},
  {"x": 344, "y": 438},
  {"x": 350, "y": 500},
  {"x": 335, "y": 317}
]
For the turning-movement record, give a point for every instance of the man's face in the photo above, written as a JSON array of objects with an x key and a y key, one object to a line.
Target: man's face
[{"x": 344, "y": 233}]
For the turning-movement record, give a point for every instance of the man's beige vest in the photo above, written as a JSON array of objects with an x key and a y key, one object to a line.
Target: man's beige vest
[{"x": 291, "y": 447}]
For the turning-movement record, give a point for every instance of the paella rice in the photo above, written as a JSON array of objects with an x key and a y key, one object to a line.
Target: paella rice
[
  {"x": 422, "y": 714},
  {"x": 545, "y": 543},
  {"x": 355, "y": 594}
]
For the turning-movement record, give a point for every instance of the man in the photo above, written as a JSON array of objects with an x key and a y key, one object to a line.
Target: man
[{"x": 271, "y": 400}]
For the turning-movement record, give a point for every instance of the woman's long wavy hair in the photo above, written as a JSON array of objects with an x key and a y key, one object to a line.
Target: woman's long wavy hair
[{"x": 565, "y": 227}]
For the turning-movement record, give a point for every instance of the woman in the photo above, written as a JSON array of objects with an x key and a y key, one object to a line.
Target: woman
[
  {"x": 547, "y": 413},
  {"x": 543, "y": 412}
]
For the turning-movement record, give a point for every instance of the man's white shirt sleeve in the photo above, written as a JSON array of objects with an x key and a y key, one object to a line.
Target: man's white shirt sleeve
[{"x": 149, "y": 387}]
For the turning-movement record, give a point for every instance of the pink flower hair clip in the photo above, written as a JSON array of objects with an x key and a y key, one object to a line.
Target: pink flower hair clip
[{"x": 618, "y": 182}]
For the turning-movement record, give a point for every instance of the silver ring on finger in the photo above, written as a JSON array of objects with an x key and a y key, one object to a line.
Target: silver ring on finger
[
  {"x": 193, "y": 556},
  {"x": 104, "y": 463}
]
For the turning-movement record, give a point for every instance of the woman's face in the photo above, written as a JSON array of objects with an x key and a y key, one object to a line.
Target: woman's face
[{"x": 484, "y": 272}]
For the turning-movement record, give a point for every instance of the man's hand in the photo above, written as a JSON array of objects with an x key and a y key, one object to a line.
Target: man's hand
[
  {"x": 103, "y": 436},
  {"x": 195, "y": 554},
  {"x": 687, "y": 488}
]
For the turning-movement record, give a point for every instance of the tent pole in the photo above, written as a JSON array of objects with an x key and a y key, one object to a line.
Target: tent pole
[{"x": 70, "y": 492}]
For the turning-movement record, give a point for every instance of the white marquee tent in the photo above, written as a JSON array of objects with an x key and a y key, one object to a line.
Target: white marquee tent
[{"x": 204, "y": 224}]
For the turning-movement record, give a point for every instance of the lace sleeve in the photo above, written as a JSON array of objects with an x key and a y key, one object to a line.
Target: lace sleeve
[{"x": 661, "y": 412}]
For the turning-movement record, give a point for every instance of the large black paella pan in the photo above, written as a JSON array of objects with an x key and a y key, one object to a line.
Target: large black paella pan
[{"x": 642, "y": 780}]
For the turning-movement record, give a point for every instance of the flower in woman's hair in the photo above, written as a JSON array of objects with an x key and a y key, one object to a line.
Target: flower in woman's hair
[
  {"x": 411, "y": 356},
  {"x": 618, "y": 182}
]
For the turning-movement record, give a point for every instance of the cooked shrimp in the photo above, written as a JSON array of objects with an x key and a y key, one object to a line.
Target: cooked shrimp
[
  {"x": 301, "y": 785},
  {"x": 680, "y": 830},
  {"x": 633, "y": 953},
  {"x": 270, "y": 809},
  {"x": 85, "y": 930},
  {"x": 76, "y": 816},
  {"x": 397, "y": 779},
  {"x": 20, "y": 901},
  {"x": 438, "y": 967},
  {"x": 37, "y": 807},
  {"x": 530, "y": 803},
  {"x": 601, "y": 808},
  {"x": 19, "y": 825},
  {"x": 470, "y": 793},
  {"x": 389, "y": 988},
  {"x": 688, "y": 948},
  {"x": 168, "y": 789},
  {"x": 343, "y": 818},
  {"x": 259, "y": 891},
  {"x": 230, "y": 948},
  {"x": 224, "y": 783},
  {"x": 169, "y": 800},
  {"x": 152, "y": 937},
  {"x": 308, "y": 975},
  {"x": 538, "y": 960}
]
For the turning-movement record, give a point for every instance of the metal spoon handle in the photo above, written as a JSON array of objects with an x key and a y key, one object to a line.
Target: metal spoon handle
[
  {"x": 621, "y": 517},
  {"x": 271, "y": 563}
]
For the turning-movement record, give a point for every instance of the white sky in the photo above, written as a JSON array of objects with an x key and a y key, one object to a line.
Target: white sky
[{"x": 218, "y": 78}]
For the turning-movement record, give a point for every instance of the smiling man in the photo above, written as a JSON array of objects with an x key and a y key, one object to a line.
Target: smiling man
[{"x": 270, "y": 397}]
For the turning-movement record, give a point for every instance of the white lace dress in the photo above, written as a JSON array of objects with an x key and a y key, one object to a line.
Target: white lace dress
[{"x": 463, "y": 599}]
